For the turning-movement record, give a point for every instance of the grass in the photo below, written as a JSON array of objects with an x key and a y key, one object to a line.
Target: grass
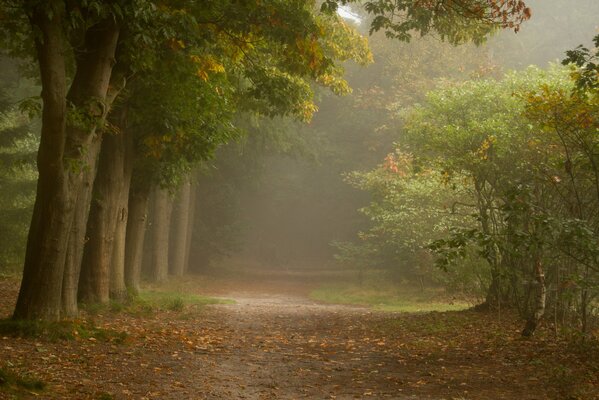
[
  {"x": 16, "y": 384},
  {"x": 176, "y": 301},
  {"x": 55, "y": 331},
  {"x": 150, "y": 301},
  {"x": 388, "y": 298}
]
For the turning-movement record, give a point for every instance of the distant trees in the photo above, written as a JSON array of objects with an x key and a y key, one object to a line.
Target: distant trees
[
  {"x": 146, "y": 90},
  {"x": 18, "y": 147},
  {"x": 162, "y": 80}
]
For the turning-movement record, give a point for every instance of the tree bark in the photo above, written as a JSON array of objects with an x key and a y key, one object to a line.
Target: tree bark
[
  {"x": 190, "y": 225},
  {"x": 541, "y": 294},
  {"x": 93, "y": 282},
  {"x": 98, "y": 275},
  {"x": 118, "y": 288},
  {"x": 41, "y": 286},
  {"x": 88, "y": 94},
  {"x": 77, "y": 234},
  {"x": 180, "y": 230},
  {"x": 160, "y": 236},
  {"x": 63, "y": 157},
  {"x": 118, "y": 285},
  {"x": 136, "y": 231}
]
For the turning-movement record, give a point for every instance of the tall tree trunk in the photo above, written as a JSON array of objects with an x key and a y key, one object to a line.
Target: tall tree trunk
[
  {"x": 146, "y": 260},
  {"x": 77, "y": 235},
  {"x": 95, "y": 266},
  {"x": 136, "y": 231},
  {"x": 160, "y": 236},
  {"x": 118, "y": 288},
  {"x": 94, "y": 283},
  {"x": 40, "y": 292},
  {"x": 190, "y": 225},
  {"x": 63, "y": 157},
  {"x": 492, "y": 252},
  {"x": 90, "y": 93},
  {"x": 179, "y": 230}
]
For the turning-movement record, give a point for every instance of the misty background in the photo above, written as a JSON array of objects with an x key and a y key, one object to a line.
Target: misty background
[{"x": 277, "y": 198}]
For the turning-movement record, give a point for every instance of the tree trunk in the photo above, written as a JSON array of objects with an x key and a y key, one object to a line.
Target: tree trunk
[
  {"x": 41, "y": 286},
  {"x": 65, "y": 150},
  {"x": 118, "y": 288},
  {"x": 492, "y": 252},
  {"x": 180, "y": 230},
  {"x": 89, "y": 95},
  {"x": 93, "y": 282},
  {"x": 190, "y": 225},
  {"x": 77, "y": 235},
  {"x": 160, "y": 236},
  {"x": 136, "y": 231},
  {"x": 533, "y": 321},
  {"x": 100, "y": 277}
]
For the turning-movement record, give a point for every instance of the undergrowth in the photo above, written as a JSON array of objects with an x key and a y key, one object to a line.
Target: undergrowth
[
  {"x": 55, "y": 331},
  {"x": 15, "y": 384},
  {"x": 149, "y": 301}
]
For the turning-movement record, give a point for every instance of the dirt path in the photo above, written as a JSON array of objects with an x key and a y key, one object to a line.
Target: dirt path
[
  {"x": 276, "y": 346},
  {"x": 288, "y": 347}
]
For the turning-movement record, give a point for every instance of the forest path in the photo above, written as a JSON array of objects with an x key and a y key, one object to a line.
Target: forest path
[
  {"x": 279, "y": 346},
  {"x": 274, "y": 345}
]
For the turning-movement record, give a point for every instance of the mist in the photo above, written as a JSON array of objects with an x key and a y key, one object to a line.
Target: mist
[{"x": 299, "y": 200}]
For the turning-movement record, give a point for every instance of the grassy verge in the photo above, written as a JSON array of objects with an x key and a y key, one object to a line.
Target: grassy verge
[
  {"x": 153, "y": 300},
  {"x": 54, "y": 331},
  {"x": 388, "y": 298},
  {"x": 176, "y": 301},
  {"x": 17, "y": 385}
]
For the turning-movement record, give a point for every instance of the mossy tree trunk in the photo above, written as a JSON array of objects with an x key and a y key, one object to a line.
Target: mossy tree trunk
[{"x": 66, "y": 150}]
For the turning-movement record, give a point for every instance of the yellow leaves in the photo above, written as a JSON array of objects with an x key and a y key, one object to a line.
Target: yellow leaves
[
  {"x": 485, "y": 147},
  {"x": 311, "y": 51},
  {"x": 207, "y": 65},
  {"x": 154, "y": 146},
  {"x": 308, "y": 109},
  {"x": 176, "y": 44},
  {"x": 445, "y": 177},
  {"x": 338, "y": 85},
  {"x": 562, "y": 109}
]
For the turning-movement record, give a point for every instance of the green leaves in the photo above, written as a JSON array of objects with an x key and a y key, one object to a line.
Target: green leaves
[{"x": 587, "y": 61}]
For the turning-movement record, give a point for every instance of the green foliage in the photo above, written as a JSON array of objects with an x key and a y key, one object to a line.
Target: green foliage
[
  {"x": 410, "y": 206},
  {"x": 587, "y": 61},
  {"x": 14, "y": 383},
  {"x": 471, "y": 20},
  {"x": 256, "y": 58},
  {"x": 516, "y": 160}
]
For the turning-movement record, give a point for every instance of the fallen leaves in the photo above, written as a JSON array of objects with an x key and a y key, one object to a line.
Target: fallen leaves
[{"x": 294, "y": 349}]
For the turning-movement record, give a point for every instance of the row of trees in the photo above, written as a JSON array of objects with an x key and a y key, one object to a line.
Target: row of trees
[
  {"x": 136, "y": 93},
  {"x": 496, "y": 178}
]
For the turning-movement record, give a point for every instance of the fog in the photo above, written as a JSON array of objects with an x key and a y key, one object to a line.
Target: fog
[
  {"x": 289, "y": 207},
  {"x": 299, "y": 199}
]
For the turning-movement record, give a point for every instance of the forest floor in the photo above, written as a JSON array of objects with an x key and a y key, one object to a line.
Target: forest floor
[{"x": 274, "y": 342}]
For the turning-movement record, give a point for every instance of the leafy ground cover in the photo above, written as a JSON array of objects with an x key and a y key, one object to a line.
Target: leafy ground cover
[{"x": 270, "y": 344}]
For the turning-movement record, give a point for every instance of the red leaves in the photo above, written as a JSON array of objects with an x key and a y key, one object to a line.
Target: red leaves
[{"x": 508, "y": 13}]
